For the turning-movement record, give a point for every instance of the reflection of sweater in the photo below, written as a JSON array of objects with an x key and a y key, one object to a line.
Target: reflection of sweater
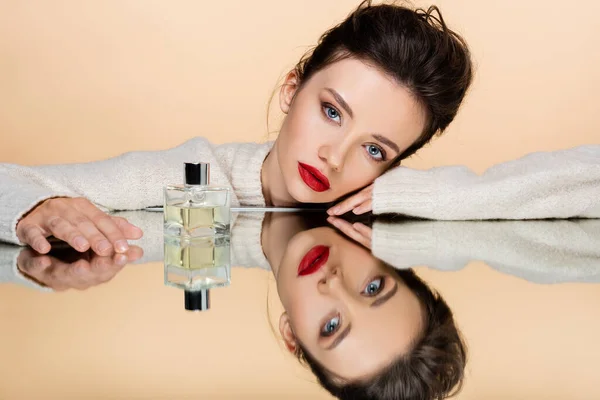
[
  {"x": 560, "y": 184},
  {"x": 546, "y": 251},
  {"x": 538, "y": 251}
]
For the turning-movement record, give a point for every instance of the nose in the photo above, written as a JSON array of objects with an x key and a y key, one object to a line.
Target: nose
[
  {"x": 330, "y": 282},
  {"x": 333, "y": 154},
  {"x": 333, "y": 287}
]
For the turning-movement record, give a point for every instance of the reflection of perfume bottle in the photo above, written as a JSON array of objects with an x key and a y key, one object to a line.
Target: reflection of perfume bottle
[
  {"x": 196, "y": 208},
  {"x": 197, "y": 265}
]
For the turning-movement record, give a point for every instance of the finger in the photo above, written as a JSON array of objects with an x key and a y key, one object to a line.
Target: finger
[
  {"x": 34, "y": 236},
  {"x": 348, "y": 204},
  {"x": 347, "y": 228},
  {"x": 365, "y": 231},
  {"x": 134, "y": 253},
  {"x": 364, "y": 207},
  {"x": 352, "y": 201},
  {"x": 105, "y": 268},
  {"x": 64, "y": 230},
  {"x": 130, "y": 231},
  {"x": 102, "y": 265},
  {"x": 32, "y": 264},
  {"x": 78, "y": 275},
  {"x": 57, "y": 275},
  {"x": 110, "y": 230},
  {"x": 97, "y": 240}
]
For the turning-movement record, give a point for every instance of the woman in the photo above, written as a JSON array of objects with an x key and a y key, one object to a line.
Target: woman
[
  {"x": 375, "y": 89},
  {"x": 365, "y": 328}
]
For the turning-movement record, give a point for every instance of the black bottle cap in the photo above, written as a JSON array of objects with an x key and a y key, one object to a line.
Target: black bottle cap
[
  {"x": 197, "y": 300},
  {"x": 197, "y": 173}
]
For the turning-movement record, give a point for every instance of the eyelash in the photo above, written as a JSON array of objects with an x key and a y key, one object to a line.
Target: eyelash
[
  {"x": 380, "y": 289},
  {"x": 383, "y": 155},
  {"x": 325, "y": 106},
  {"x": 324, "y": 334}
]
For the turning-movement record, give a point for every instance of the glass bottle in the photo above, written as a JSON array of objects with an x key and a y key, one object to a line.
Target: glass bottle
[
  {"x": 196, "y": 208},
  {"x": 196, "y": 265}
]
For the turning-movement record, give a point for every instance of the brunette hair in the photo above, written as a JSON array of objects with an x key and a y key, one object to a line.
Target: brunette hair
[
  {"x": 415, "y": 47},
  {"x": 432, "y": 369}
]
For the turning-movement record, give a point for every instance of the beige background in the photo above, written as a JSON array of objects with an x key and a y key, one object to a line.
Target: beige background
[
  {"x": 84, "y": 80},
  {"x": 132, "y": 339}
]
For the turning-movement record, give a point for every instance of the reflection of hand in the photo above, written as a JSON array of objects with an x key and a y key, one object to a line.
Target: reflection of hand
[
  {"x": 78, "y": 222},
  {"x": 356, "y": 231},
  {"x": 359, "y": 203},
  {"x": 67, "y": 268}
]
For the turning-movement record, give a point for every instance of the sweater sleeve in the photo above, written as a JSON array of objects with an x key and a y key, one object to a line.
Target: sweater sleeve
[
  {"x": 547, "y": 251},
  {"x": 559, "y": 184},
  {"x": 131, "y": 181}
]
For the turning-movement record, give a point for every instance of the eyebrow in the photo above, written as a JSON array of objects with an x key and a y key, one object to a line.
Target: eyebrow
[
  {"x": 341, "y": 100},
  {"x": 385, "y": 297},
  {"x": 339, "y": 338},
  {"x": 387, "y": 142}
]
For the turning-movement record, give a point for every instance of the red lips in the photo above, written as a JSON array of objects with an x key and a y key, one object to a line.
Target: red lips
[
  {"x": 314, "y": 259},
  {"x": 313, "y": 178}
]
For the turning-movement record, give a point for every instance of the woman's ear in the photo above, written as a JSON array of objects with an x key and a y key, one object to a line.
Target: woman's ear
[
  {"x": 287, "y": 334},
  {"x": 288, "y": 91}
]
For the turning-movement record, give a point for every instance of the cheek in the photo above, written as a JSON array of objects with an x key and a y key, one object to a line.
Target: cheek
[
  {"x": 304, "y": 312},
  {"x": 358, "y": 172},
  {"x": 302, "y": 126}
]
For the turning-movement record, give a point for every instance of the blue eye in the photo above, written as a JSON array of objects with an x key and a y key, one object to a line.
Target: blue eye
[
  {"x": 331, "y": 326},
  {"x": 332, "y": 113},
  {"x": 375, "y": 152},
  {"x": 374, "y": 287}
]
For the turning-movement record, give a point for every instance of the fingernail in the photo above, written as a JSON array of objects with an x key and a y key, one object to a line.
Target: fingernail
[
  {"x": 103, "y": 246},
  {"x": 44, "y": 248},
  {"x": 121, "y": 259},
  {"x": 79, "y": 268},
  {"x": 335, "y": 210},
  {"x": 80, "y": 242},
  {"x": 121, "y": 246}
]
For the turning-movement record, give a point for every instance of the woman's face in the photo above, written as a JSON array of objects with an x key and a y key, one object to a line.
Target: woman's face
[
  {"x": 350, "y": 312},
  {"x": 343, "y": 129}
]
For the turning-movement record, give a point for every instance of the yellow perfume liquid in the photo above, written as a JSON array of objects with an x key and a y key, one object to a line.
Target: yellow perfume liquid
[
  {"x": 197, "y": 263},
  {"x": 196, "y": 211}
]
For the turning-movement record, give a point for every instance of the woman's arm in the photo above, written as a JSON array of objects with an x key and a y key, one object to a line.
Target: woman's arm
[
  {"x": 559, "y": 184},
  {"x": 130, "y": 181}
]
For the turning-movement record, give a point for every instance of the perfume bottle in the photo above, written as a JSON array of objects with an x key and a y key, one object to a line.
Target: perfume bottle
[
  {"x": 196, "y": 208},
  {"x": 197, "y": 265}
]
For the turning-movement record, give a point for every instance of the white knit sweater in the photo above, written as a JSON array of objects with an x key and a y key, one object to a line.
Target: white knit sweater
[
  {"x": 548, "y": 251},
  {"x": 559, "y": 184}
]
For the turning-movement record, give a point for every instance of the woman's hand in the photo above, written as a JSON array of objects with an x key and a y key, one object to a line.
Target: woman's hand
[
  {"x": 356, "y": 231},
  {"x": 79, "y": 223},
  {"x": 359, "y": 203},
  {"x": 68, "y": 269}
]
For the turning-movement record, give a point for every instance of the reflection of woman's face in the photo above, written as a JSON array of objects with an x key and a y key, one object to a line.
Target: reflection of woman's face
[
  {"x": 345, "y": 126},
  {"x": 351, "y": 313}
]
